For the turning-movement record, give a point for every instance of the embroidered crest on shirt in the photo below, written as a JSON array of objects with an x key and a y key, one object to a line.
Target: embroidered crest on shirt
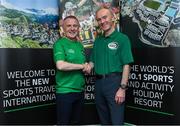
[
  {"x": 71, "y": 51},
  {"x": 113, "y": 45}
]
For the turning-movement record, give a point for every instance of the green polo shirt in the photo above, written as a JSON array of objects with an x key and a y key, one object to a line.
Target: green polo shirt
[
  {"x": 110, "y": 53},
  {"x": 73, "y": 52}
]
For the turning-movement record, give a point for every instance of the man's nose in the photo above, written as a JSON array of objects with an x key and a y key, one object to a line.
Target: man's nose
[
  {"x": 72, "y": 27},
  {"x": 102, "y": 20}
]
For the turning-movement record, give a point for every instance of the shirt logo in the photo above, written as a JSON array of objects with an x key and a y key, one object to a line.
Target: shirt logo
[
  {"x": 113, "y": 45},
  {"x": 71, "y": 51}
]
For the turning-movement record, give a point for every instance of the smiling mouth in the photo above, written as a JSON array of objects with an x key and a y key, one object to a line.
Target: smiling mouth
[
  {"x": 72, "y": 33},
  {"x": 104, "y": 25}
]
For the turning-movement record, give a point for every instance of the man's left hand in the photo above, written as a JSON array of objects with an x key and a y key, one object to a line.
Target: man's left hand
[{"x": 120, "y": 96}]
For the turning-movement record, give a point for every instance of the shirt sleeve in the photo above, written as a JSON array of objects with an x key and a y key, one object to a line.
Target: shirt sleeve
[
  {"x": 58, "y": 52},
  {"x": 126, "y": 52}
]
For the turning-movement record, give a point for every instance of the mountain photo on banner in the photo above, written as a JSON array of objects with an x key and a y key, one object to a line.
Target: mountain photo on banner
[
  {"x": 85, "y": 10},
  {"x": 155, "y": 22},
  {"x": 28, "y": 23}
]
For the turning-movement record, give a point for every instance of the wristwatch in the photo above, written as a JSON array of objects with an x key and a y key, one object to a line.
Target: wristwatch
[{"x": 124, "y": 86}]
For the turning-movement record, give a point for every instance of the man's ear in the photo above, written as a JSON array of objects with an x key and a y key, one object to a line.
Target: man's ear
[
  {"x": 113, "y": 18},
  {"x": 78, "y": 38}
]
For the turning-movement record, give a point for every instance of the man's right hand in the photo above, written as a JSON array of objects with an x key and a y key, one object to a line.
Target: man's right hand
[{"x": 87, "y": 68}]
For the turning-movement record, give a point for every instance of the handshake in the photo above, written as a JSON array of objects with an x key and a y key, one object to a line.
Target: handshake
[{"x": 87, "y": 67}]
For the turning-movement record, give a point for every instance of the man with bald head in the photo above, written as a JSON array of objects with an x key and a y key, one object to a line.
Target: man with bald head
[{"x": 111, "y": 58}]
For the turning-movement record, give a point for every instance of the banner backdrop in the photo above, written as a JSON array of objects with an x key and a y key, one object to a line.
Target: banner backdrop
[
  {"x": 153, "y": 28},
  {"x": 27, "y": 87},
  {"x": 84, "y": 10},
  {"x": 28, "y": 30}
]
